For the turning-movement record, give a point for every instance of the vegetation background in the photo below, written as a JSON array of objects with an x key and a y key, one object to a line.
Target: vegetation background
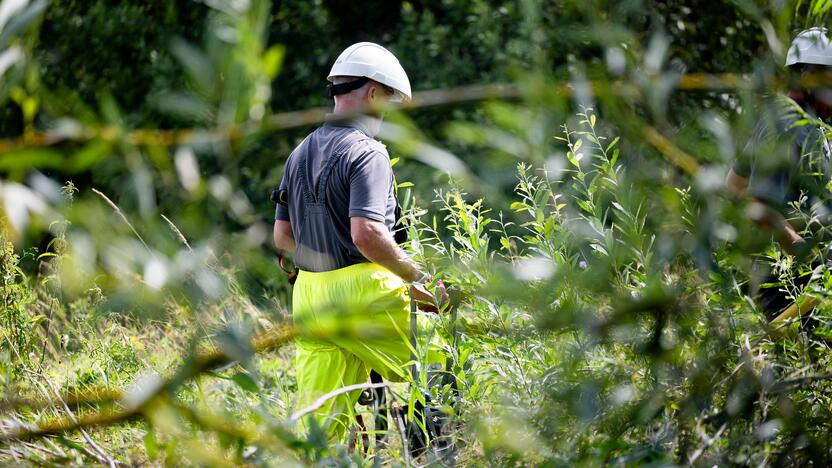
[{"x": 572, "y": 192}]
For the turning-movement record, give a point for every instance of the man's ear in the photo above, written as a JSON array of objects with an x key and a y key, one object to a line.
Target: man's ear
[{"x": 371, "y": 94}]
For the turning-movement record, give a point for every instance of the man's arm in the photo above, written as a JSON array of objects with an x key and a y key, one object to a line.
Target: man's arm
[
  {"x": 375, "y": 242},
  {"x": 737, "y": 184},
  {"x": 765, "y": 216},
  {"x": 769, "y": 218},
  {"x": 284, "y": 240}
]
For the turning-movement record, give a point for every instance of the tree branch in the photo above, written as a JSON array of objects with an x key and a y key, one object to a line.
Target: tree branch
[
  {"x": 154, "y": 387},
  {"x": 323, "y": 399}
]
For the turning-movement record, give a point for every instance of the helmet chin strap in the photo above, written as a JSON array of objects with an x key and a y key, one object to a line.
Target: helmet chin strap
[{"x": 333, "y": 90}]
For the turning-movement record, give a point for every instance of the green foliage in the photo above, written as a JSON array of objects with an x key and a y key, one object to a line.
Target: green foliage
[
  {"x": 17, "y": 322},
  {"x": 84, "y": 49},
  {"x": 604, "y": 310}
]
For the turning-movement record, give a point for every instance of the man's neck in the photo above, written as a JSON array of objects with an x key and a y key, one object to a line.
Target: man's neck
[
  {"x": 817, "y": 108},
  {"x": 367, "y": 124},
  {"x": 349, "y": 106},
  {"x": 356, "y": 111}
]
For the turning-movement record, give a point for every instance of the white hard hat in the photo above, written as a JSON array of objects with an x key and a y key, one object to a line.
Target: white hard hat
[
  {"x": 367, "y": 59},
  {"x": 811, "y": 47}
]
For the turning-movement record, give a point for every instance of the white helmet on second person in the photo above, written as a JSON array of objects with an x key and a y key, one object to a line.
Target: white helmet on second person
[
  {"x": 810, "y": 47},
  {"x": 370, "y": 60}
]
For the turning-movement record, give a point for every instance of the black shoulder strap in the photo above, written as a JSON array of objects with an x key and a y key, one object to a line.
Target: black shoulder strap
[
  {"x": 400, "y": 227},
  {"x": 323, "y": 179},
  {"x": 305, "y": 172}
]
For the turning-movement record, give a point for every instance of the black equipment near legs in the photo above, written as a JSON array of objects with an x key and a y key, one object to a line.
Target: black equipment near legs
[{"x": 379, "y": 409}]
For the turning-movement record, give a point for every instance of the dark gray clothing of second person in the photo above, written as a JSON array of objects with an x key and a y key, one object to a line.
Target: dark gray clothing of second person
[
  {"x": 787, "y": 158},
  {"x": 788, "y": 154},
  {"x": 360, "y": 183}
]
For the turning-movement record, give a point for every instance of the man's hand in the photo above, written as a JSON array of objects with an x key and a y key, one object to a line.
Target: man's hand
[
  {"x": 426, "y": 301},
  {"x": 772, "y": 220},
  {"x": 767, "y": 217}
]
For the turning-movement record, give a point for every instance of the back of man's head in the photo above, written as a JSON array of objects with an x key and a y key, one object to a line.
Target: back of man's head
[
  {"x": 810, "y": 58},
  {"x": 365, "y": 94}
]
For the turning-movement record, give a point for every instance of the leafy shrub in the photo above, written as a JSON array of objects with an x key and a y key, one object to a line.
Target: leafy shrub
[{"x": 16, "y": 320}]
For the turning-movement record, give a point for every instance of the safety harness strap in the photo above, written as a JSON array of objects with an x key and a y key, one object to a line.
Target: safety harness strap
[
  {"x": 309, "y": 196},
  {"x": 304, "y": 174},
  {"x": 323, "y": 179}
]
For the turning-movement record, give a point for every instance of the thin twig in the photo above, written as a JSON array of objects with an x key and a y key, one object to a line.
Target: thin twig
[
  {"x": 45, "y": 450},
  {"x": 778, "y": 388},
  {"x": 102, "y": 455},
  {"x": 56, "y": 448},
  {"x": 710, "y": 441},
  {"x": 323, "y": 399},
  {"x": 15, "y": 453},
  {"x": 785, "y": 384},
  {"x": 177, "y": 232},
  {"x": 400, "y": 429},
  {"x": 123, "y": 217}
]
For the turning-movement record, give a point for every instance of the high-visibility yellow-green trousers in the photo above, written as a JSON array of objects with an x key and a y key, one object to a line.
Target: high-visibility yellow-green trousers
[{"x": 351, "y": 321}]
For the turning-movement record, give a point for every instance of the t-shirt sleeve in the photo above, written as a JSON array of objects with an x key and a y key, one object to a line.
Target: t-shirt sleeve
[
  {"x": 281, "y": 212},
  {"x": 370, "y": 180}
]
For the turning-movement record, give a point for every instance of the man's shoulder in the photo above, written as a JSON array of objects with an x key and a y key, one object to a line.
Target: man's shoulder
[
  {"x": 303, "y": 143},
  {"x": 352, "y": 142},
  {"x": 361, "y": 145},
  {"x": 371, "y": 145},
  {"x": 779, "y": 116}
]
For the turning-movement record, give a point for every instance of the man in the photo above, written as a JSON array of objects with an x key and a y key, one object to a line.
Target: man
[
  {"x": 337, "y": 214},
  {"x": 786, "y": 164}
]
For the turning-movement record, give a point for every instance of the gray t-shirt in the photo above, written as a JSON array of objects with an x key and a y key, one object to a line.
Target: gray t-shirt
[
  {"x": 361, "y": 183},
  {"x": 787, "y": 154}
]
